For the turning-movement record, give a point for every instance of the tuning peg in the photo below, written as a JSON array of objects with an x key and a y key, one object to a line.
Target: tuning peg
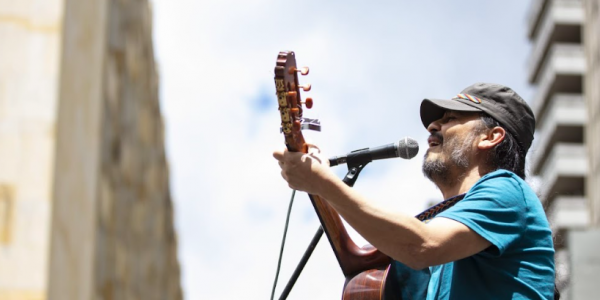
[
  {"x": 305, "y": 87},
  {"x": 302, "y": 71},
  {"x": 308, "y": 102}
]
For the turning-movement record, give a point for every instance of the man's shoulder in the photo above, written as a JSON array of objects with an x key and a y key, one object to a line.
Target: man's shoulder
[
  {"x": 501, "y": 174},
  {"x": 505, "y": 185},
  {"x": 500, "y": 181}
]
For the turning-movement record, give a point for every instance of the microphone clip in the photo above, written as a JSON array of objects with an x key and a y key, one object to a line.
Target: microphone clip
[{"x": 354, "y": 168}]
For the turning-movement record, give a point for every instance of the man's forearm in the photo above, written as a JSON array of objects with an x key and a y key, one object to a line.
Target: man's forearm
[{"x": 400, "y": 236}]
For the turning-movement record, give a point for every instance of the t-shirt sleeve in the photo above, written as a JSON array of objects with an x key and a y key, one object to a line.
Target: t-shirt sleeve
[{"x": 495, "y": 209}]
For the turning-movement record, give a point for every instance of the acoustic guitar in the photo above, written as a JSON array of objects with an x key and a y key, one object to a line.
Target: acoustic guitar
[{"x": 365, "y": 268}]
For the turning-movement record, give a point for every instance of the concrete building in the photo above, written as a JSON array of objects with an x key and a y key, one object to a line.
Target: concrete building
[
  {"x": 592, "y": 92},
  {"x": 30, "y": 35},
  {"x": 85, "y": 205},
  {"x": 563, "y": 66}
]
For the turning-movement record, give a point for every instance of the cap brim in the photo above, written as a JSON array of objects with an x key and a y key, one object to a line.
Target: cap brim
[{"x": 433, "y": 109}]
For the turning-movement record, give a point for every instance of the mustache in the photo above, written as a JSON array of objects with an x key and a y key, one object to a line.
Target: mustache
[{"x": 438, "y": 136}]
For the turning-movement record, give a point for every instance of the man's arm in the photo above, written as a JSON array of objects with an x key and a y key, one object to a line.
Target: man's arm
[{"x": 401, "y": 236}]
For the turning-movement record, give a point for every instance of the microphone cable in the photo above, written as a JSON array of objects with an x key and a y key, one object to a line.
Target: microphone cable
[{"x": 287, "y": 222}]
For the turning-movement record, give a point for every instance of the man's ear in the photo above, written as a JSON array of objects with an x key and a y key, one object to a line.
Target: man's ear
[{"x": 493, "y": 137}]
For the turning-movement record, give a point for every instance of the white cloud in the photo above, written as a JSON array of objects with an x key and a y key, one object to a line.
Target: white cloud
[{"x": 371, "y": 64}]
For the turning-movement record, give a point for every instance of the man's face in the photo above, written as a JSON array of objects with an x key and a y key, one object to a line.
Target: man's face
[{"x": 452, "y": 144}]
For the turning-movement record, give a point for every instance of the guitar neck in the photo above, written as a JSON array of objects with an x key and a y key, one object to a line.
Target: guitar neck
[{"x": 352, "y": 259}]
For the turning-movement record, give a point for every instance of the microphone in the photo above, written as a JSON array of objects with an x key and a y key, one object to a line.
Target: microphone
[{"x": 406, "y": 148}]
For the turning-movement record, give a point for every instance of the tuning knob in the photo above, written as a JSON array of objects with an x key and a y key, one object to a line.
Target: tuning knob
[
  {"x": 302, "y": 71},
  {"x": 305, "y": 87},
  {"x": 308, "y": 102}
]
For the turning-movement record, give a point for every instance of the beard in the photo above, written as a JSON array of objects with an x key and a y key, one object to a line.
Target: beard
[{"x": 454, "y": 156}]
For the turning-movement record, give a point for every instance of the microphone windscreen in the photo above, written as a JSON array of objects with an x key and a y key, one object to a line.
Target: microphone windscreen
[{"x": 408, "y": 148}]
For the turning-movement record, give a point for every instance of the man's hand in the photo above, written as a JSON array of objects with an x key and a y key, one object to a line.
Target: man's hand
[{"x": 306, "y": 172}]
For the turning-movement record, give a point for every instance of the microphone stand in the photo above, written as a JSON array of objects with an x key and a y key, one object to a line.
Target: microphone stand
[{"x": 354, "y": 168}]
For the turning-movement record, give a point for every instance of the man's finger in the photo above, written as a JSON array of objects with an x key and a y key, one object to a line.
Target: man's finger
[{"x": 278, "y": 154}]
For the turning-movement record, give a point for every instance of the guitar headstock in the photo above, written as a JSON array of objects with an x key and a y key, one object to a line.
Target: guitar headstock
[{"x": 290, "y": 102}]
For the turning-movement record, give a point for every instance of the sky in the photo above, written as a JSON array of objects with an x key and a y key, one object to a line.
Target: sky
[{"x": 371, "y": 64}]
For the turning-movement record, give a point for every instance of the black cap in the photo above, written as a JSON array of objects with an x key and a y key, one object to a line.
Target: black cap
[{"x": 498, "y": 101}]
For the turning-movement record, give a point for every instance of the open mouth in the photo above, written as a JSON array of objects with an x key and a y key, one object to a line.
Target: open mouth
[{"x": 433, "y": 141}]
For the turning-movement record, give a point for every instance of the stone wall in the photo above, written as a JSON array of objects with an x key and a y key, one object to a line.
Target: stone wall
[
  {"x": 135, "y": 233},
  {"x": 113, "y": 234}
]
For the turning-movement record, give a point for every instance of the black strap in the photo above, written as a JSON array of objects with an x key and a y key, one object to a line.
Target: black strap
[{"x": 433, "y": 211}]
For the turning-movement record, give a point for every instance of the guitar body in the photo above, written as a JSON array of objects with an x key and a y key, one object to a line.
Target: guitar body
[
  {"x": 371, "y": 284},
  {"x": 365, "y": 268}
]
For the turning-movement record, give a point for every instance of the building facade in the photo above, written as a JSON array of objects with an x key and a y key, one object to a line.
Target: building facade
[
  {"x": 592, "y": 92},
  {"x": 562, "y": 65},
  {"x": 30, "y": 36},
  {"x": 85, "y": 205}
]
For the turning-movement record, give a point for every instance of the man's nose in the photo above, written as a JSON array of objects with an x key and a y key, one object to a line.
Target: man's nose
[{"x": 434, "y": 126}]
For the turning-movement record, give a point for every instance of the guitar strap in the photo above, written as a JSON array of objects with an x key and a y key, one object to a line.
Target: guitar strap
[{"x": 433, "y": 211}]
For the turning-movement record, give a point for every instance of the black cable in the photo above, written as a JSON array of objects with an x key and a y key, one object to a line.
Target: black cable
[{"x": 287, "y": 222}]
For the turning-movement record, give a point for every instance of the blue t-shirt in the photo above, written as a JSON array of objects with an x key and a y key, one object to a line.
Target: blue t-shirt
[{"x": 504, "y": 210}]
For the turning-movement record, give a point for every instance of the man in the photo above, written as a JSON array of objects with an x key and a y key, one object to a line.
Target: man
[{"x": 494, "y": 242}]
